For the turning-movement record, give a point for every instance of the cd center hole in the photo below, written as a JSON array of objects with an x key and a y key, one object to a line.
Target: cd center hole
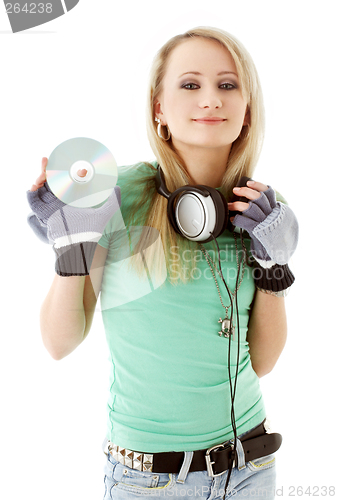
[{"x": 82, "y": 173}]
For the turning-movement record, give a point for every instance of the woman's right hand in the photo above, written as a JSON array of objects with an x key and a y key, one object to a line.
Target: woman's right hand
[
  {"x": 39, "y": 229},
  {"x": 34, "y": 219},
  {"x": 69, "y": 228},
  {"x": 42, "y": 177}
]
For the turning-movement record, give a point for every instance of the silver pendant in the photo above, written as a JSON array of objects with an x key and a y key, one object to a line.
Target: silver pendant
[{"x": 226, "y": 329}]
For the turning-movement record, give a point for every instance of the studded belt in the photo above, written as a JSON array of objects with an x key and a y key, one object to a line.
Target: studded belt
[{"x": 216, "y": 460}]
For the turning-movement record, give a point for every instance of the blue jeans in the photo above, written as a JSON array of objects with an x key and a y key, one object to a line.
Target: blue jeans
[{"x": 254, "y": 479}]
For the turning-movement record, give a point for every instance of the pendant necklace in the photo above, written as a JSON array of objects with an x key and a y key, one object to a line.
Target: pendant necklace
[{"x": 227, "y": 328}]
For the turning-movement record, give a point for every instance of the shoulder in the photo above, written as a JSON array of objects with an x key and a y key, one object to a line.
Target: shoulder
[
  {"x": 131, "y": 173},
  {"x": 134, "y": 181},
  {"x": 131, "y": 179}
]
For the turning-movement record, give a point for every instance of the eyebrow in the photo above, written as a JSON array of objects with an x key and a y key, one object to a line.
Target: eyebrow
[{"x": 197, "y": 73}]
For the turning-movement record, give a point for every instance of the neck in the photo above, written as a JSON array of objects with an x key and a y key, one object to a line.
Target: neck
[{"x": 205, "y": 165}]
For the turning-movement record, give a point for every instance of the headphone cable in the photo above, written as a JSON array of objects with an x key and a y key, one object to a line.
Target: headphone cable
[{"x": 232, "y": 391}]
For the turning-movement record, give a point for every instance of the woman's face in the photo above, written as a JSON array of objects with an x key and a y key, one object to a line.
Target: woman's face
[{"x": 201, "y": 99}]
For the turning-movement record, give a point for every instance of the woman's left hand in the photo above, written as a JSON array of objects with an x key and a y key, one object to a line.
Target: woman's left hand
[
  {"x": 272, "y": 225},
  {"x": 252, "y": 192}
]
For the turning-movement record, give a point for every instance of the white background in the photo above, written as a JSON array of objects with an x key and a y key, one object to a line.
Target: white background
[{"x": 85, "y": 74}]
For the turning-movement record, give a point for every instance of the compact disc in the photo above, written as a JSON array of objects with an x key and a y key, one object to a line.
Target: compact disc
[{"x": 81, "y": 172}]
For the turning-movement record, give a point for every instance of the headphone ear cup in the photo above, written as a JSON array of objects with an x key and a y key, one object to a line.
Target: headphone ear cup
[
  {"x": 214, "y": 204},
  {"x": 194, "y": 211}
]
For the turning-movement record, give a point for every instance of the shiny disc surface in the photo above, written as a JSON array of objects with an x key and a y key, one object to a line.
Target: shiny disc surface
[{"x": 81, "y": 172}]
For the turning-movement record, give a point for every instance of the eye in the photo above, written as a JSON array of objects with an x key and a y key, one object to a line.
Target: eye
[
  {"x": 190, "y": 86},
  {"x": 228, "y": 86}
]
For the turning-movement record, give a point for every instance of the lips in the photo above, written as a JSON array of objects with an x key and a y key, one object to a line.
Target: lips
[{"x": 209, "y": 120}]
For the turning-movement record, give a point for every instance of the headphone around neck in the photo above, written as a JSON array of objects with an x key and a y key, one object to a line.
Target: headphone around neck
[{"x": 198, "y": 213}]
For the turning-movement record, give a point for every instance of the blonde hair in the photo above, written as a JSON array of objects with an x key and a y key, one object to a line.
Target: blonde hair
[{"x": 243, "y": 156}]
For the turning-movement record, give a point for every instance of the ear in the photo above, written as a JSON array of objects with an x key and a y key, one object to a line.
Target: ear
[{"x": 159, "y": 113}]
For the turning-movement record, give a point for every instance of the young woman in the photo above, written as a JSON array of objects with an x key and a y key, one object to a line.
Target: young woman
[{"x": 193, "y": 315}]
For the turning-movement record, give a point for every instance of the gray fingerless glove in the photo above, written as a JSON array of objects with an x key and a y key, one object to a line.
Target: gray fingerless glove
[
  {"x": 273, "y": 229},
  {"x": 73, "y": 231}
]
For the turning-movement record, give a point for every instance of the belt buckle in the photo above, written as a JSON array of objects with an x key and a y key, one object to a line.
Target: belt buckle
[{"x": 209, "y": 463}]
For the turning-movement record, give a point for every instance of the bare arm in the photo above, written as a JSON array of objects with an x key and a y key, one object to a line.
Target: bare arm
[
  {"x": 68, "y": 309},
  {"x": 267, "y": 332}
]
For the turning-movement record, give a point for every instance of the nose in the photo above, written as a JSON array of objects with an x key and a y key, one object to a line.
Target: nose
[{"x": 210, "y": 100}]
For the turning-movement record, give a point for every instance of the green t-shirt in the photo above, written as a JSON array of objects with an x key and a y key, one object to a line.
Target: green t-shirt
[{"x": 169, "y": 386}]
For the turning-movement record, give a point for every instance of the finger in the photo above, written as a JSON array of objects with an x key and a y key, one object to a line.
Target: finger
[
  {"x": 37, "y": 186},
  {"x": 44, "y": 163},
  {"x": 41, "y": 179},
  {"x": 258, "y": 186},
  {"x": 43, "y": 176},
  {"x": 243, "y": 222},
  {"x": 238, "y": 206},
  {"x": 247, "y": 192}
]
